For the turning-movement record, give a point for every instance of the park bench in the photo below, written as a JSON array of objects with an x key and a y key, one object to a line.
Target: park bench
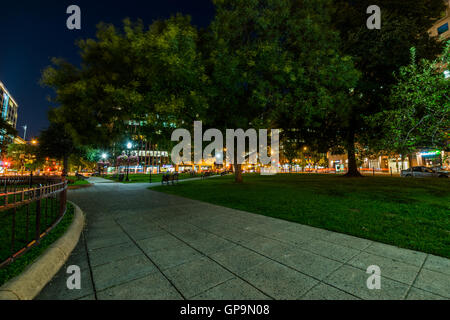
[{"x": 167, "y": 178}]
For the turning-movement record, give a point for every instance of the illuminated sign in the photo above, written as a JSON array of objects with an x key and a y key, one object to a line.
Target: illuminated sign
[{"x": 430, "y": 153}]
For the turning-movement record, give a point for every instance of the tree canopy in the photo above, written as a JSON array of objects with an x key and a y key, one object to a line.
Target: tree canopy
[{"x": 310, "y": 67}]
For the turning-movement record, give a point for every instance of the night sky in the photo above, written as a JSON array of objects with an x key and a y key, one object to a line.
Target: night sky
[{"x": 32, "y": 32}]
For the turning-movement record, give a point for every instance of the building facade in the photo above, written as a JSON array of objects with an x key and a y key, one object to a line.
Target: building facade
[
  {"x": 9, "y": 106},
  {"x": 441, "y": 28}
]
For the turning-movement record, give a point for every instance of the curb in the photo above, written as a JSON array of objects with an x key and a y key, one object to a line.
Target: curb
[{"x": 35, "y": 277}]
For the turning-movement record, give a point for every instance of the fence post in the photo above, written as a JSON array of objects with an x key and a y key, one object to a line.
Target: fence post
[
  {"x": 373, "y": 169},
  {"x": 38, "y": 214},
  {"x": 62, "y": 199}
]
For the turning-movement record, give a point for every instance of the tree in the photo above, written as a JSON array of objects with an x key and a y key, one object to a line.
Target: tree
[
  {"x": 7, "y": 133},
  {"x": 291, "y": 151},
  {"x": 420, "y": 107},
  {"x": 56, "y": 142},
  {"x": 23, "y": 155},
  {"x": 150, "y": 77},
  {"x": 275, "y": 63},
  {"x": 378, "y": 54}
]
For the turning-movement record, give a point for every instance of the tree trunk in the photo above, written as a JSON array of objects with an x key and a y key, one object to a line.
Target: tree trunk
[
  {"x": 238, "y": 173},
  {"x": 410, "y": 160},
  {"x": 65, "y": 165},
  {"x": 352, "y": 167},
  {"x": 237, "y": 169}
]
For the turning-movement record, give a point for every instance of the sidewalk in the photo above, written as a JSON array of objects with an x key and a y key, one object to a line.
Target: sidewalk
[{"x": 140, "y": 244}]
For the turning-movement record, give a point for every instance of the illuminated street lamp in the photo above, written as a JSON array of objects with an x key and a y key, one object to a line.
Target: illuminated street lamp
[
  {"x": 129, "y": 146},
  {"x": 104, "y": 156}
]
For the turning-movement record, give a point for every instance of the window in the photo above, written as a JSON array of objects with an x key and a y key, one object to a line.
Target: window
[
  {"x": 428, "y": 170},
  {"x": 417, "y": 169},
  {"x": 443, "y": 28}
]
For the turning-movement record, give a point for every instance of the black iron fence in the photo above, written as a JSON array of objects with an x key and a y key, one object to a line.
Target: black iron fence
[{"x": 30, "y": 207}]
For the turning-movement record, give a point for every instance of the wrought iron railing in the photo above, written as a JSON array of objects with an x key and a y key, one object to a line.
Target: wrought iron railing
[{"x": 30, "y": 207}]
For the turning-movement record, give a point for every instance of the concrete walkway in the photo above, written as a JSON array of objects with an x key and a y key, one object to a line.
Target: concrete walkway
[{"x": 140, "y": 244}]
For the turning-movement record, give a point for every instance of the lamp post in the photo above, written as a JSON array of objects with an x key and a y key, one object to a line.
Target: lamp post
[
  {"x": 129, "y": 145},
  {"x": 104, "y": 157}
]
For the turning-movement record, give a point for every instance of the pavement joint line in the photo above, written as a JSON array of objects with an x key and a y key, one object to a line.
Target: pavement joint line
[
  {"x": 331, "y": 285},
  {"x": 286, "y": 242},
  {"x": 281, "y": 242},
  {"x": 85, "y": 297},
  {"x": 119, "y": 259},
  {"x": 107, "y": 246},
  {"x": 415, "y": 279},
  {"x": 89, "y": 265},
  {"x": 261, "y": 254},
  {"x": 148, "y": 257},
  {"x": 315, "y": 238},
  {"x": 320, "y": 281},
  {"x": 405, "y": 262},
  {"x": 211, "y": 259},
  {"x": 341, "y": 266},
  {"x": 122, "y": 283}
]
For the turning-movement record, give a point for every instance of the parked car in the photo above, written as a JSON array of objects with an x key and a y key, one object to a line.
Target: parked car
[{"x": 423, "y": 172}]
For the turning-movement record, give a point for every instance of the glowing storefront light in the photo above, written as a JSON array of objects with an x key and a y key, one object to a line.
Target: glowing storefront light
[{"x": 430, "y": 153}]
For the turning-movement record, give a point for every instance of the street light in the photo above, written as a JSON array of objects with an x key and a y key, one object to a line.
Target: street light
[
  {"x": 104, "y": 156},
  {"x": 129, "y": 145}
]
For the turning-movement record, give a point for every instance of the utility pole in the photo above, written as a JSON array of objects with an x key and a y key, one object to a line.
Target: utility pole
[{"x": 24, "y": 132}]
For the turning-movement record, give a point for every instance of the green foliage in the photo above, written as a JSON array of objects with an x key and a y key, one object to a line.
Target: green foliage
[
  {"x": 147, "y": 76},
  {"x": 308, "y": 65},
  {"x": 23, "y": 155},
  {"x": 380, "y": 53},
  {"x": 56, "y": 142},
  {"x": 7, "y": 132},
  {"x": 277, "y": 64},
  {"x": 420, "y": 107}
]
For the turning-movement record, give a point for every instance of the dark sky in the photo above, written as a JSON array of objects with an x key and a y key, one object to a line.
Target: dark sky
[{"x": 32, "y": 32}]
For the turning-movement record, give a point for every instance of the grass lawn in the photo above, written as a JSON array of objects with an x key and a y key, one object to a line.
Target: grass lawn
[
  {"x": 409, "y": 213},
  {"x": 15, "y": 268},
  {"x": 49, "y": 213},
  {"x": 141, "y": 177},
  {"x": 74, "y": 181}
]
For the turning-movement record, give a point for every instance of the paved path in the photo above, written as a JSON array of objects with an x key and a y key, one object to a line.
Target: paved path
[{"x": 140, "y": 244}]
